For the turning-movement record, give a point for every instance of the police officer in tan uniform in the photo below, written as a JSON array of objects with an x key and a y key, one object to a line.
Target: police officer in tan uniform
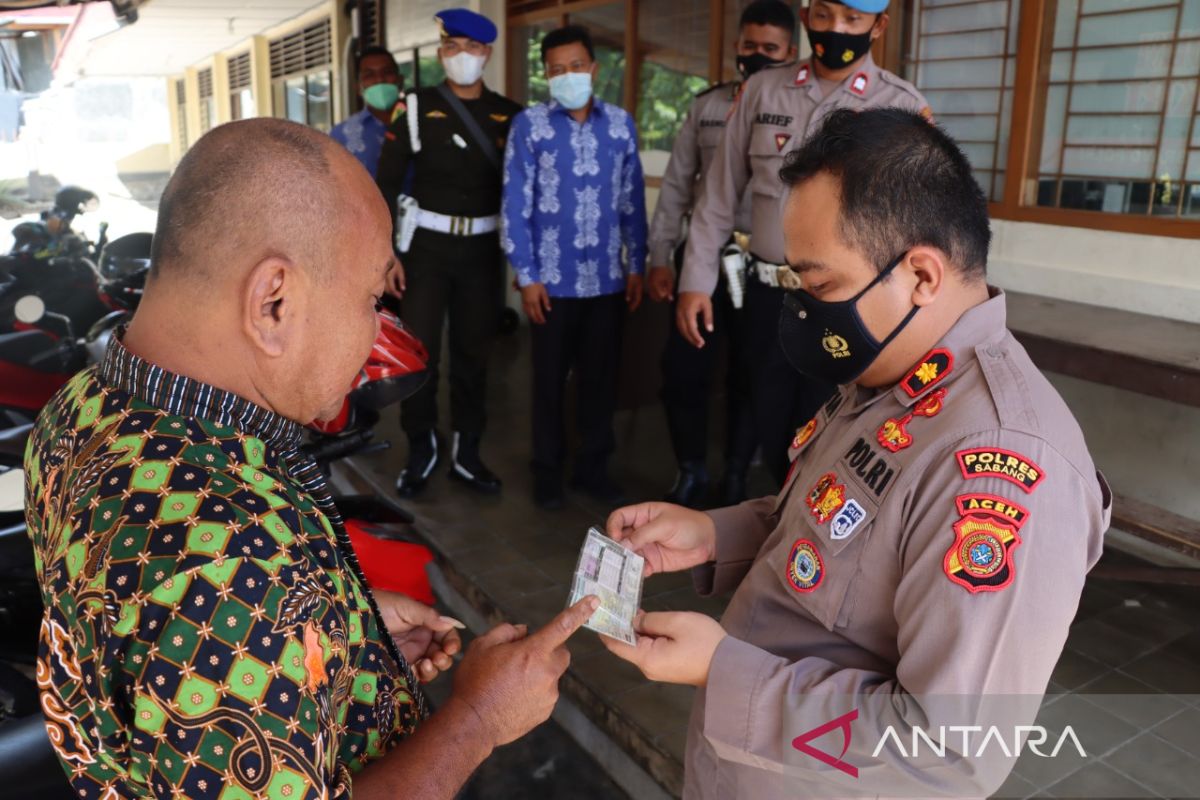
[
  {"x": 766, "y": 33},
  {"x": 778, "y": 110},
  {"x": 923, "y": 563}
]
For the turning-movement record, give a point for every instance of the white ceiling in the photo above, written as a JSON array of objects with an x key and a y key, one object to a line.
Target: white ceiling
[{"x": 173, "y": 34}]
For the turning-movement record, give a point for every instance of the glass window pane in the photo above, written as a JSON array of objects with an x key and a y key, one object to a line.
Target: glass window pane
[
  {"x": 1140, "y": 26},
  {"x": 606, "y": 24},
  {"x": 674, "y": 45},
  {"x": 294, "y": 100},
  {"x": 320, "y": 111}
]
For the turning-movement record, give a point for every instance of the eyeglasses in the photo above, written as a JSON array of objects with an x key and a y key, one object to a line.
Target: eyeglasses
[{"x": 451, "y": 47}]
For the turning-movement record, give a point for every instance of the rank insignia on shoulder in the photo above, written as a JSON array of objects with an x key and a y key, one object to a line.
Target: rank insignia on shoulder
[
  {"x": 435, "y": 114},
  {"x": 801, "y": 75},
  {"x": 826, "y": 497},
  {"x": 985, "y": 462},
  {"x": 499, "y": 117},
  {"x": 893, "y": 435},
  {"x": 804, "y": 434},
  {"x": 859, "y": 84},
  {"x": 805, "y": 570},
  {"x": 935, "y": 366},
  {"x": 847, "y": 520},
  {"x": 999, "y": 507},
  {"x": 398, "y": 110},
  {"x": 981, "y": 557}
]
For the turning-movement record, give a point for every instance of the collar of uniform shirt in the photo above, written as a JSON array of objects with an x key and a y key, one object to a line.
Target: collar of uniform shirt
[
  {"x": 977, "y": 327},
  {"x": 186, "y": 397}
]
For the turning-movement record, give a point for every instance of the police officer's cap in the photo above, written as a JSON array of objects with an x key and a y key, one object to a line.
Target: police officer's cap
[
  {"x": 866, "y": 6},
  {"x": 464, "y": 22}
]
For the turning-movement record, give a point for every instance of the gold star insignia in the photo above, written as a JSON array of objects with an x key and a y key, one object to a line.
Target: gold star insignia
[{"x": 927, "y": 372}]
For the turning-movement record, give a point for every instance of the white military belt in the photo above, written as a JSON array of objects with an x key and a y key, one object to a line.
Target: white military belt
[
  {"x": 457, "y": 226},
  {"x": 777, "y": 276}
]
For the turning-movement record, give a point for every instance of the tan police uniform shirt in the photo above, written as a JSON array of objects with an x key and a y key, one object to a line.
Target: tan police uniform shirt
[
  {"x": 779, "y": 108},
  {"x": 930, "y": 543},
  {"x": 695, "y": 145}
]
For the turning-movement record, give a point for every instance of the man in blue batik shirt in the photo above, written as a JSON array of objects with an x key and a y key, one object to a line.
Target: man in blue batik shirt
[
  {"x": 574, "y": 197},
  {"x": 379, "y": 83}
]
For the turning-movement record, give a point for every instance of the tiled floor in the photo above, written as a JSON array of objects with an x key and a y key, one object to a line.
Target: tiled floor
[{"x": 1130, "y": 675}]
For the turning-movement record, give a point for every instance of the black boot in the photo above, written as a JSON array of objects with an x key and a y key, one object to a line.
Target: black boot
[
  {"x": 466, "y": 466},
  {"x": 691, "y": 484},
  {"x": 422, "y": 458},
  {"x": 733, "y": 485}
]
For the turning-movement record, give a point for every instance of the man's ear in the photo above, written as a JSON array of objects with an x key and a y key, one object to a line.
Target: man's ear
[
  {"x": 269, "y": 304},
  {"x": 929, "y": 266},
  {"x": 880, "y": 26}
]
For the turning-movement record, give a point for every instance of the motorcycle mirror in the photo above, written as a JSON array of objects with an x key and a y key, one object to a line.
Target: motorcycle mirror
[{"x": 30, "y": 309}]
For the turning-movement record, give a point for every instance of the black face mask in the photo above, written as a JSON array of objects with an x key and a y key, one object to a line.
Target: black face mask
[
  {"x": 829, "y": 340},
  {"x": 748, "y": 65},
  {"x": 837, "y": 50}
]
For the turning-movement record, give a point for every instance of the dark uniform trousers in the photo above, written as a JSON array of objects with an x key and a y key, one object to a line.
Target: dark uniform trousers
[
  {"x": 583, "y": 334},
  {"x": 782, "y": 399},
  {"x": 687, "y": 385},
  {"x": 460, "y": 277}
]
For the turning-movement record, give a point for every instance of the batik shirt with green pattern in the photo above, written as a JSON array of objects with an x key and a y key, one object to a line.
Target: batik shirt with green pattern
[{"x": 207, "y": 631}]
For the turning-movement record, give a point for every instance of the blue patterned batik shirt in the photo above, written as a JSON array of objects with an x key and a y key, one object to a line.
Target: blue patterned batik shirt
[
  {"x": 361, "y": 134},
  {"x": 573, "y": 196}
]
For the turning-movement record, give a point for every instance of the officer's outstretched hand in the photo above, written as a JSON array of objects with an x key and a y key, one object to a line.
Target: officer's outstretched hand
[
  {"x": 669, "y": 537},
  {"x": 672, "y": 646},
  {"x": 536, "y": 302},
  {"x": 691, "y": 306},
  {"x": 395, "y": 280},
  {"x": 660, "y": 284}
]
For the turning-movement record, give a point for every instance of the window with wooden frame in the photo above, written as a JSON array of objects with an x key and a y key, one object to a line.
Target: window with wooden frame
[
  {"x": 302, "y": 77},
  {"x": 241, "y": 91},
  {"x": 208, "y": 108},
  {"x": 181, "y": 126}
]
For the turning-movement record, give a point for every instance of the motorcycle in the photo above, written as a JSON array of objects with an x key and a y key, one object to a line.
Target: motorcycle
[{"x": 377, "y": 528}]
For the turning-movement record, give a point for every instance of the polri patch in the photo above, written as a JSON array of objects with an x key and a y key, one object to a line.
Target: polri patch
[
  {"x": 870, "y": 466},
  {"x": 987, "y": 462},
  {"x": 981, "y": 557},
  {"x": 847, "y": 520},
  {"x": 825, "y": 497},
  {"x": 935, "y": 366},
  {"x": 805, "y": 570}
]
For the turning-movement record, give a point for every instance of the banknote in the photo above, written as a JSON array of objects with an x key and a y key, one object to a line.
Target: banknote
[{"x": 614, "y": 574}]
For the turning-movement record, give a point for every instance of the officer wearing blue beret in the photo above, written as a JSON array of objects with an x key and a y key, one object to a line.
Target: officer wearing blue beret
[{"x": 451, "y": 138}]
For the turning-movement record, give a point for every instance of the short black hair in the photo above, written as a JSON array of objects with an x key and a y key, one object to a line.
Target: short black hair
[
  {"x": 904, "y": 182},
  {"x": 374, "y": 50},
  {"x": 568, "y": 34},
  {"x": 769, "y": 12}
]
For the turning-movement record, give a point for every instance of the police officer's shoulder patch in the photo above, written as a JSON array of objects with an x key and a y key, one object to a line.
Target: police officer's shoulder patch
[
  {"x": 930, "y": 370},
  {"x": 981, "y": 557},
  {"x": 996, "y": 462}
]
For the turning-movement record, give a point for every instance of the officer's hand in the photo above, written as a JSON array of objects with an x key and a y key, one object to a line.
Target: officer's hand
[
  {"x": 633, "y": 292},
  {"x": 669, "y": 537},
  {"x": 395, "y": 280},
  {"x": 536, "y": 302},
  {"x": 692, "y": 305},
  {"x": 672, "y": 646},
  {"x": 510, "y": 680},
  {"x": 660, "y": 284}
]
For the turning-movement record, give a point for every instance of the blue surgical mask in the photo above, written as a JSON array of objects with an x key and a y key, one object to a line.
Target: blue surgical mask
[{"x": 572, "y": 90}]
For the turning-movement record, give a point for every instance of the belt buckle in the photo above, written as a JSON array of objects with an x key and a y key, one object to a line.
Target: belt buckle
[{"x": 462, "y": 226}]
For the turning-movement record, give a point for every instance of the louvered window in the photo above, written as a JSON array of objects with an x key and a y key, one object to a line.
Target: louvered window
[
  {"x": 207, "y": 106},
  {"x": 304, "y": 50},
  {"x": 370, "y": 22},
  {"x": 302, "y": 77},
  {"x": 241, "y": 95},
  {"x": 181, "y": 114}
]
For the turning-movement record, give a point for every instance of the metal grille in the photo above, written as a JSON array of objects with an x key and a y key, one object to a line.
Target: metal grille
[
  {"x": 370, "y": 22},
  {"x": 301, "y": 51},
  {"x": 962, "y": 56},
  {"x": 239, "y": 72},
  {"x": 1120, "y": 106},
  {"x": 181, "y": 113}
]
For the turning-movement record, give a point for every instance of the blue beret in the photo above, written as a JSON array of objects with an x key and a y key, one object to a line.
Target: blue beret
[
  {"x": 464, "y": 22},
  {"x": 867, "y": 6}
]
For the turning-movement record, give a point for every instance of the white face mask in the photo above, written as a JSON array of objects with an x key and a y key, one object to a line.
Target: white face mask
[{"x": 464, "y": 69}]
